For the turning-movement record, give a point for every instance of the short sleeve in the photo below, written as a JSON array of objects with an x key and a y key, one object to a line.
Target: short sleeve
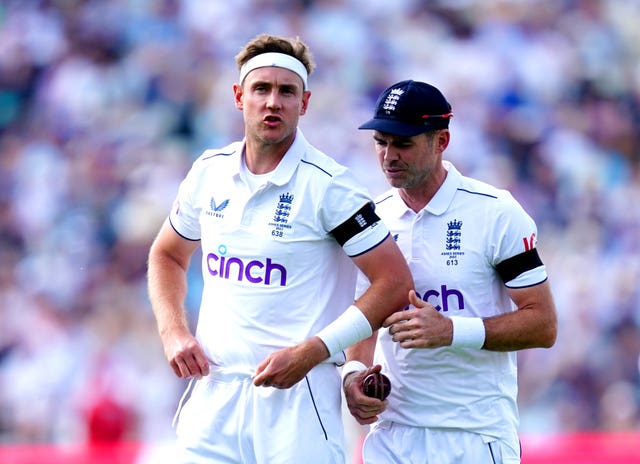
[
  {"x": 515, "y": 235},
  {"x": 348, "y": 212},
  {"x": 184, "y": 215}
]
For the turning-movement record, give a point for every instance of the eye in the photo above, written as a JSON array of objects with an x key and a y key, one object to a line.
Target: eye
[{"x": 402, "y": 144}]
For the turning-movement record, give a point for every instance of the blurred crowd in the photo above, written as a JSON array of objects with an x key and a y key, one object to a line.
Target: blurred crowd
[{"x": 104, "y": 105}]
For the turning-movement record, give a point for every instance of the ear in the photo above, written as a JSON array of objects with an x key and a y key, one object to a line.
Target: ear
[
  {"x": 306, "y": 95},
  {"x": 237, "y": 96},
  {"x": 444, "y": 137}
]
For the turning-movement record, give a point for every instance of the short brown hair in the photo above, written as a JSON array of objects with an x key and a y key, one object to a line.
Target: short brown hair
[{"x": 266, "y": 43}]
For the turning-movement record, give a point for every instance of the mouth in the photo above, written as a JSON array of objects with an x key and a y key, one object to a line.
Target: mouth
[
  {"x": 271, "y": 120},
  {"x": 392, "y": 171}
]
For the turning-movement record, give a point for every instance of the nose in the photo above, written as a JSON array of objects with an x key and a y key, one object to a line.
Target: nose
[
  {"x": 273, "y": 102},
  {"x": 388, "y": 154}
]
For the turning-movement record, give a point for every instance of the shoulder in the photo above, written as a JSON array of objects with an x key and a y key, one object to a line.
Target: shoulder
[
  {"x": 215, "y": 156},
  {"x": 320, "y": 164},
  {"x": 480, "y": 193},
  {"x": 386, "y": 199},
  {"x": 504, "y": 218}
]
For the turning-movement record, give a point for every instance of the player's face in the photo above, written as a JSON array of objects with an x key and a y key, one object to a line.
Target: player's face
[
  {"x": 272, "y": 100},
  {"x": 410, "y": 162}
]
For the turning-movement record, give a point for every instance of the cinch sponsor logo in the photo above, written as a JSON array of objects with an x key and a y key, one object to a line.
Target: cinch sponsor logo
[
  {"x": 445, "y": 299},
  {"x": 255, "y": 271}
]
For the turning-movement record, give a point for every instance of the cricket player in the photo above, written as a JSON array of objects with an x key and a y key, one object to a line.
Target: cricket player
[
  {"x": 481, "y": 294},
  {"x": 283, "y": 228}
]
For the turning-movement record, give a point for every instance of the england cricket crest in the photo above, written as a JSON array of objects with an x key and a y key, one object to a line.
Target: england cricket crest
[
  {"x": 281, "y": 216},
  {"x": 452, "y": 242}
]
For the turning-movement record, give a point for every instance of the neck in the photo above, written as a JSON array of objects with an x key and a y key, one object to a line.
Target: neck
[
  {"x": 261, "y": 157},
  {"x": 418, "y": 197}
]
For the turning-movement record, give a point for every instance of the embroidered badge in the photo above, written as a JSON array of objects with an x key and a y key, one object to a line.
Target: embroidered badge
[
  {"x": 281, "y": 217},
  {"x": 392, "y": 100},
  {"x": 453, "y": 241}
]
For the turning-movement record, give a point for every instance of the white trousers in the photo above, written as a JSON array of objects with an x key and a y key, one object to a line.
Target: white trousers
[
  {"x": 229, "y": 420},
  {"x": 391, "y": 443}
]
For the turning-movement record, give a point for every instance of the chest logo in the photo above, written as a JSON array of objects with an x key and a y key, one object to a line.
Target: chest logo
[
  {"x": 453, "y": 242},
  {"x": 281, "y": 216},
  {"x": 216, "y": 209}
]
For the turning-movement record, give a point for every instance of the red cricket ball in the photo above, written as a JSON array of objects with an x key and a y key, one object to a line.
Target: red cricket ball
[{"x": 376, "y": 385}]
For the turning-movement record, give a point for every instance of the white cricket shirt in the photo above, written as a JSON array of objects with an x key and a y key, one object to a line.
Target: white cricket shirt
[
  {"x": 452, "y": 247},
  {"x": 273, "y": 274}
]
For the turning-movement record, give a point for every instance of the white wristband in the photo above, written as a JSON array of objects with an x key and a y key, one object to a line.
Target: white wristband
[
  {"x": 351, "y": 327},
  {"x": 468, "y": 332},
  {"x": 352, "y": 366}
]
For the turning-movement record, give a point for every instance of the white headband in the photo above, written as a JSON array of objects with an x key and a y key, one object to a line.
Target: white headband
[{"x": 279, "y": 60}]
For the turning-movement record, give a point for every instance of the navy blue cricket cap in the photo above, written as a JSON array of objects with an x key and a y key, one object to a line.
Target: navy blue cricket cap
[{"x": 409, "y": 108}]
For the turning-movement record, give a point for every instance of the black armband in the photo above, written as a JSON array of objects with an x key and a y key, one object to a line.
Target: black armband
[
  {"x": 363, "y": 218},
  {"x": 512, "y": 267}
]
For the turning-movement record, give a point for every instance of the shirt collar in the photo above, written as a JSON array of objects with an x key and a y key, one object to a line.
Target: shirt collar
[
  {"x": 441, "y": 200},
  {"x": 444, "y": 196},
  {"x": 289, "y": 162}
]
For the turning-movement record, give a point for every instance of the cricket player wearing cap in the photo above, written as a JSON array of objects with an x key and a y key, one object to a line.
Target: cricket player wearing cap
[
  {"x": 283, "y": 228},
  {"x": 481, "y": 294}
]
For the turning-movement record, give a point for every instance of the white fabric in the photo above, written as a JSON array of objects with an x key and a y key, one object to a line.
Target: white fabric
[
  {"x": 254, "y": 181},
  {"x": 273, "y": 274},
  {"x": 354, "y": 246},
  {"x": 454, "y": 270},
  {"x": 351, "y": 327},
  {"x": 397, "y": 443},
  {"x": 279, "y": 60},
  {"x": 228, "y": 419},
  {"x": 468, "y": 332},
  {"x": 352, "y": 366}
]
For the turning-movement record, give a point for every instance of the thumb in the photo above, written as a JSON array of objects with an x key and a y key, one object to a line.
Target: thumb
[
  {"x": 374, "y": 369},
  {"x": 259, "y": 375},
  {"x": 415, "y": 300}
]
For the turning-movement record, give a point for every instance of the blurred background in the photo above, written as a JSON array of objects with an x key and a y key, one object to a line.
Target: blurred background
[{"x": 104, "y": 105}]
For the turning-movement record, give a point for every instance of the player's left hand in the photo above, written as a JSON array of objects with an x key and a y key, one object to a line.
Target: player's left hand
[
  {"x": 419, "y": 327},
  {"x": 363, "y": 408},
  {"x": 286, "y": 367}
]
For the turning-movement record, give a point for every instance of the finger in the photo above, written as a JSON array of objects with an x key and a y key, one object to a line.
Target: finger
[
  {"x": 261, "y": 377},
  {"x": 367, "y": 414},
  {"x": 192, "y": 366},
  {"x": 181, "y": 369},
  {"x": 201, "y": 366},
  {"x": 401, "y": 328},
  {"x": 176, "y": 369},
  {"x": 415, "y": 300},
  {"x": 365, "y": 419},
  {"x": 407, "y": 338},
  {"x": 410, "y": 343},
  {"x": 396, "y": 317},
  {"x": 373, "y": 370},
  {"x": 201, "y": 363}
]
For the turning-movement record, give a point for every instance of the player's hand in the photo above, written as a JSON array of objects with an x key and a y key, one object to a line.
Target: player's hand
[
  {"x": 286, "y": 367},
  {"x": 363, "y": 408},
  {"x": 185, "y": 355},
  {"x": 419, "y": 327}
]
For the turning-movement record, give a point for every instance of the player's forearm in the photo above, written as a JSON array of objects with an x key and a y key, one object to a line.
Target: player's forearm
[
  {"x": 167, "y": 287},
  {"x": 533, "y": 325},
  {"x": 390, "y": 282},
  {"x": 522, "y": 329},
  {"x": 363, "y": 350},
  {"x": 385, "y": 297}
]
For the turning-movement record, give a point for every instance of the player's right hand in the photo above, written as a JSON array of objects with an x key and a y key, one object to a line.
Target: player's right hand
[
  {"x": 185, "y": 355},
  {"x": 363, "y": 408},
  {"x": 421, "y": 326}
]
